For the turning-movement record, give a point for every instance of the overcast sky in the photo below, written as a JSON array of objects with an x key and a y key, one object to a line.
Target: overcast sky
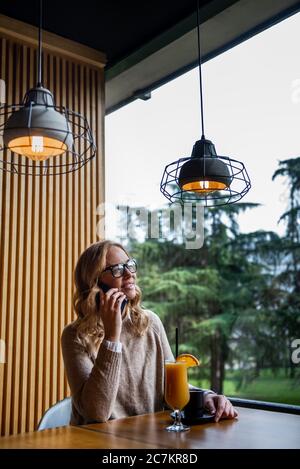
[{"x": 252, "y": 114}]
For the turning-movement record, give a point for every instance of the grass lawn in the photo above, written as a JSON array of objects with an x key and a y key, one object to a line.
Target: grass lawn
[{"x": 265, "y": 388}]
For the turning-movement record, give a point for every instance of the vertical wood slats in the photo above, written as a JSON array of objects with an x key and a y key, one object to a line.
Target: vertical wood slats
[{"x": 45, "y": 223}]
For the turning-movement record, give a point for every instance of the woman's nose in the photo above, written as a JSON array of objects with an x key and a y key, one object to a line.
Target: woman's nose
[{"x": 127, "y": 272}]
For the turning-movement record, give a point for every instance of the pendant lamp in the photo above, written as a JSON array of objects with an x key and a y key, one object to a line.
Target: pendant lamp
[
  {"x": 37, "y": 134},
  {"x": 205, "y": 177}
]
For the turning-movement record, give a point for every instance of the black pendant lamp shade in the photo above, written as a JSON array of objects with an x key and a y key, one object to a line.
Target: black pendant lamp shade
[
  {"x": 47, "y": 130},
  {"x": 42, "y": 139},
  {"x": 205, "y": 177},
  {"x": 204, "y": 171}
]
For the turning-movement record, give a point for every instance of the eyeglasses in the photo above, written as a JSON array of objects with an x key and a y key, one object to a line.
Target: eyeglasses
[{"x": 118, "y": 270}]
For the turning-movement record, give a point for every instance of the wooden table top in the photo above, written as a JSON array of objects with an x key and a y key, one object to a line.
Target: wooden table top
[
  {"x": 68, "y": 438},
  {"x": 253, "y": 429}
]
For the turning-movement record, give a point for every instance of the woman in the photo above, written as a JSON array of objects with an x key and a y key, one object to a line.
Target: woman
[{"x": 114, "y": 359}]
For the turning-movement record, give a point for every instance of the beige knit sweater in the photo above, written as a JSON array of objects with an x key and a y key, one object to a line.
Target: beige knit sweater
[{"x": 113, "y": 384}]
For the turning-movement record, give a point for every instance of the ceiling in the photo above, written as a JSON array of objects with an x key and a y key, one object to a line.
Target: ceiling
[{"x": 149, "y": 43}]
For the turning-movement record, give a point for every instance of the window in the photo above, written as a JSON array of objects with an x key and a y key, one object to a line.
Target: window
[{"x": 236, "y": 300}]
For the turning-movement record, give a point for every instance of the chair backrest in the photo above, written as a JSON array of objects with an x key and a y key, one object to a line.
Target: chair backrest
[{"x": 58, "y": 415}]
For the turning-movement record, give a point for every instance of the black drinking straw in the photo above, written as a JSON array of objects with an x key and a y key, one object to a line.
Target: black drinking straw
[{"x": 176, "y": 343}]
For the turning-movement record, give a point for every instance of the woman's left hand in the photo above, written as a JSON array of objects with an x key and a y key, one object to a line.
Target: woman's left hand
[{"x": 220, "y": 406}]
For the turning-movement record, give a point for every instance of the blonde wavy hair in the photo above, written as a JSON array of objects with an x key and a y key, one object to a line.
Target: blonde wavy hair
[{"x": 90, "y": 330}]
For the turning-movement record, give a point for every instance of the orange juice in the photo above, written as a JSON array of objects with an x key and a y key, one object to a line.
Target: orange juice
[{"x": 176, "y": 385}]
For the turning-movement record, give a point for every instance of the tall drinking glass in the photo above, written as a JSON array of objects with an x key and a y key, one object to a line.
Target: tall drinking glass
[{"x": 176, "y": 392}]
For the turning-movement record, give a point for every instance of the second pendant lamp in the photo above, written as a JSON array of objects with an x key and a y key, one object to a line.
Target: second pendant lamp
[{"x": 205, "y": 177}]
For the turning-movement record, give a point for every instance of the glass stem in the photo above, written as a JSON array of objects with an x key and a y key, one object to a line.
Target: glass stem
[{"x": 177, "y": 418}]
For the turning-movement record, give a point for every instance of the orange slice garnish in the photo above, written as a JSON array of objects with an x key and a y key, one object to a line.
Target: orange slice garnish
[{"x": 188, "y": 359}]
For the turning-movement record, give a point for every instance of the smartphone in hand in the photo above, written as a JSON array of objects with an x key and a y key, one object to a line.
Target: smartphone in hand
[{"x": 105, "y": 289}]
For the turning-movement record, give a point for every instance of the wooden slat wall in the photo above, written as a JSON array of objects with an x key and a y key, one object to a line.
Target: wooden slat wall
[{"x": 46, "y": 223}]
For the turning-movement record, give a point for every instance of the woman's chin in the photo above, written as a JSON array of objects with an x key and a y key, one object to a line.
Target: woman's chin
[{"x": 129, "y": 292}]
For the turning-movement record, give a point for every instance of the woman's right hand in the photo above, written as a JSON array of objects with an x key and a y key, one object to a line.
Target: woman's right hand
[{"x": 110, "y": 313}]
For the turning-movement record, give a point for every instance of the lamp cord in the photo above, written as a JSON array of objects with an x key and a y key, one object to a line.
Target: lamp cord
[
  {"x": 39, "y": 83},
  {"x": 200, "y": 72}
]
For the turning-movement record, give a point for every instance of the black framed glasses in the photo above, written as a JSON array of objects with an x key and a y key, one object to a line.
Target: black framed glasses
[{"x": 118, "y": 270}]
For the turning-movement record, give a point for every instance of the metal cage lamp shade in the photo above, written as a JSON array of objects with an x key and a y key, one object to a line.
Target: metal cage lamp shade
[
  {"x": 42, "y": 132},
  {"x": 205, "y": 177}
]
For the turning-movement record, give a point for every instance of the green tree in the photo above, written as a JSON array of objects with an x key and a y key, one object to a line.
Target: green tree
[
  {"x": 195, "y": 290},
  {"x": 289, "y": 319}
]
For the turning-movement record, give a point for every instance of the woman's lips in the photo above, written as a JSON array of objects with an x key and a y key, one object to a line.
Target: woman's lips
[{"x": 129, "y": 286}]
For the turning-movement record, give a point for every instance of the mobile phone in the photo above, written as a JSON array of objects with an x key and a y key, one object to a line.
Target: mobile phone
[{"x": 105, "y": 289}]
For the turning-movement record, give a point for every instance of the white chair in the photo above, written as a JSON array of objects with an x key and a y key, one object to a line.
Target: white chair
[{"x": 58, "y": 415}]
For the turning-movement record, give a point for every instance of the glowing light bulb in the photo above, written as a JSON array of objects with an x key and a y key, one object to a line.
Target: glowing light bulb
[
  {"x": 37, "y": 144},
  {"x": 204, "y": 187}
]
